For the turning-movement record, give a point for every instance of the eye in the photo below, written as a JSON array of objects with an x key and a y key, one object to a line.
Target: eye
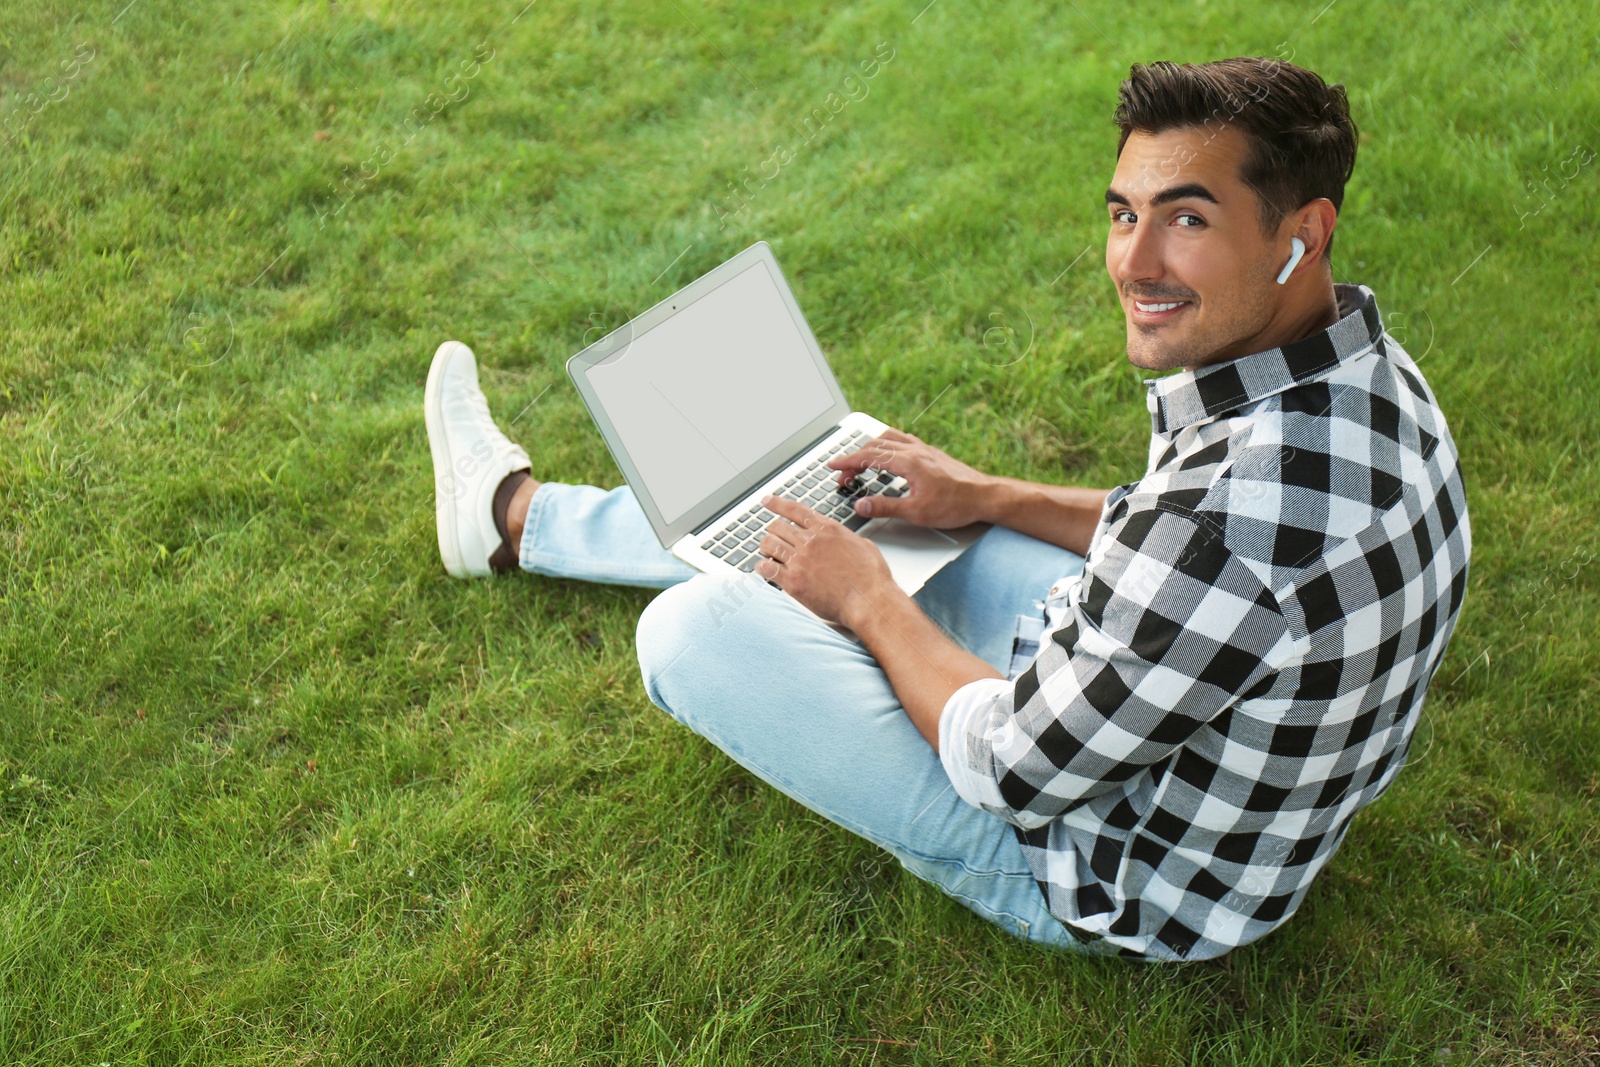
[
  {"x": 1197, "y": 219},
  {"x": 1116, "y": 215}
]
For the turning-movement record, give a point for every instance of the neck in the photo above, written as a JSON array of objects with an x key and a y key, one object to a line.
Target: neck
[
  {"x": 1297, "y": 320},
  {"x": 1318, "y": 316}
]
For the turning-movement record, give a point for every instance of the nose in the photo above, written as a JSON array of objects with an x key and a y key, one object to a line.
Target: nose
[{"x": 1134, "y": 255}]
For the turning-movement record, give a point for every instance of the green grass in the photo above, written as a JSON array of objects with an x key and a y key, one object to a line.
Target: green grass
[{"x": 273, "y": 789}]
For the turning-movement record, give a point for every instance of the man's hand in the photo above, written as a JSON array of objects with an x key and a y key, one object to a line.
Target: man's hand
[
  {"x": 833, "y": 571},
  {"x": 842, "y": 577},
  {"x": 942, "y": 492}
]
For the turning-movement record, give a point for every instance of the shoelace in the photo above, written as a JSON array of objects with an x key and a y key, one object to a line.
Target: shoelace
[
  {"x": 445, "y": 482},
  {"x": 479, "y": 404}
]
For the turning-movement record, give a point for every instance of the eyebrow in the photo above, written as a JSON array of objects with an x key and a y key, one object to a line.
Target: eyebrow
[{"x": 1186, "y": 191}]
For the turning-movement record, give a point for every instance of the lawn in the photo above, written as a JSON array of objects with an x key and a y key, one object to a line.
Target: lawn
[{"x": 275, "y": 790}]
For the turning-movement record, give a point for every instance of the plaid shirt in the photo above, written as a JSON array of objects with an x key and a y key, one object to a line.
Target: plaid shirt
[{"x": 1239, "y": 668}]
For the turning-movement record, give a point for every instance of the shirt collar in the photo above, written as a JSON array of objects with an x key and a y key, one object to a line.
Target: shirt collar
[{"x": 1194, "y": 396}]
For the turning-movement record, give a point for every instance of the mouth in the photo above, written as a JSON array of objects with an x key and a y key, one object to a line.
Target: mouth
[{"x": 1155, "y": 311}]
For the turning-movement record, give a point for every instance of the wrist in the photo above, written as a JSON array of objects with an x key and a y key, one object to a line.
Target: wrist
[
  {"x": 870, "y": 605},
  {"x": 996, "y": 498}
]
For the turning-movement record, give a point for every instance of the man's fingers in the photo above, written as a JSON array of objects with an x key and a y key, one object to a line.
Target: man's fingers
[
  {"x": 876, "y": 453},
  {"x": 775, "y": 547},
  {"x": 879, "y": 506},
  {"x": 790, "y": 532},
  {"x": 792, "y": 510},
  {"x": 855, "y": 462}
]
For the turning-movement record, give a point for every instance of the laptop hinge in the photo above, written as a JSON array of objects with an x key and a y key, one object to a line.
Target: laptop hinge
[{"x": 815, "y": 441}]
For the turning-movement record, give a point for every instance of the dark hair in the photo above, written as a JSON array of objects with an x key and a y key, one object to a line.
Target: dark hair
[{"x": 1302, "y": 140}]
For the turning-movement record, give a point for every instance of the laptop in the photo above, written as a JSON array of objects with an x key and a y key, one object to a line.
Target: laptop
[{"x": 719, "y": 395}]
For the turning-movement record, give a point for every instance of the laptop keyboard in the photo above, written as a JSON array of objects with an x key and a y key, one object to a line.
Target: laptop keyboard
[{"x": 736, "y": 539}]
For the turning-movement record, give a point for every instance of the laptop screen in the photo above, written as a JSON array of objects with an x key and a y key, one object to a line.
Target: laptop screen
[{"x": 701, "y": 397}]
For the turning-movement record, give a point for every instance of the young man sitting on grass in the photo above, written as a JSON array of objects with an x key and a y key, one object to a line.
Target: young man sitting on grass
[{"x": 1156, "y": 758}]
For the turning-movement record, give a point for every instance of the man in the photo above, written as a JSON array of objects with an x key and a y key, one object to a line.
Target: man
[{"x": 1233, "y": 655}]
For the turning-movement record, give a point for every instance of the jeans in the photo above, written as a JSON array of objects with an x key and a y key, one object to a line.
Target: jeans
[{"x": 807, "y": 709}]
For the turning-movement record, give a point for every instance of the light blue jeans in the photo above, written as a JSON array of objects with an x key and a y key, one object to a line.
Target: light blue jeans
[{"x": 807, "y": 709}]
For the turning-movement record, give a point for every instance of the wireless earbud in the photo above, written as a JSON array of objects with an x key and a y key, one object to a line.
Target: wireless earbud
[{"x": 1288, "y": 268}]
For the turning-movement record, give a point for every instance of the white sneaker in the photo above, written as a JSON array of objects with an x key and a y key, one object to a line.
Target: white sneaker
[{"x": 470, "y": 459}]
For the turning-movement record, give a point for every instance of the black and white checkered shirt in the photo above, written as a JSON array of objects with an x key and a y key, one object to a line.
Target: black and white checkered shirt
[{"x": 1240, "y": 666}]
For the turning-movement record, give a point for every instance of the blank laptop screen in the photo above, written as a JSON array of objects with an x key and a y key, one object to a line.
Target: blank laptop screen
[{"x": 701, "y": 397}]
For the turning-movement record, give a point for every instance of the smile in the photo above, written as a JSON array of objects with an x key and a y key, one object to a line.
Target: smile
[{"x": 1157, "y": 312}]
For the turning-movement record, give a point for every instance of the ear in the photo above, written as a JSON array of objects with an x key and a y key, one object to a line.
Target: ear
[{"x": 1313, "y": 224}]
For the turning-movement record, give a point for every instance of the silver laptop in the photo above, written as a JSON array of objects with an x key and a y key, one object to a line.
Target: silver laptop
[{"x": 718, "y": 395}]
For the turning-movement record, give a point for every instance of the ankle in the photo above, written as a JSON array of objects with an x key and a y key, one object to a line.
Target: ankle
[{"x": 517, "y": 512}]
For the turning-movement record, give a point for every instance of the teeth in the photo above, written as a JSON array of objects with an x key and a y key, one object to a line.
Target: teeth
[{"x": 1158, "y": 307}]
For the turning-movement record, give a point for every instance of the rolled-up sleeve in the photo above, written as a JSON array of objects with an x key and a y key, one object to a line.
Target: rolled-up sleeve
[
  {"x": 964, "y": 717},
  {"x": 1165, "y": 630}
]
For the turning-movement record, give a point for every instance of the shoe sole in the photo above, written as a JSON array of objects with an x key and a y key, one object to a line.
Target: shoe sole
[{"x": 444, "y": 507}]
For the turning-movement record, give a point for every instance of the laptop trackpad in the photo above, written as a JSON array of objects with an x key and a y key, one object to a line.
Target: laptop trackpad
[{"x": 913, "y": 552}]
